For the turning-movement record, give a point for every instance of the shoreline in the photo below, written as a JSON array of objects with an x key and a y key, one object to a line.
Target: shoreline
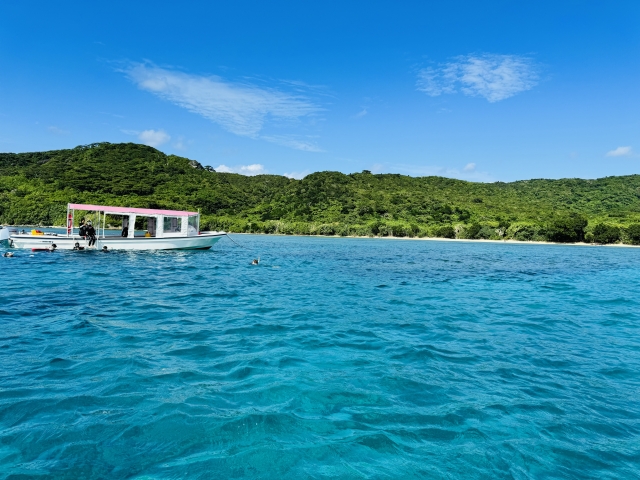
[
  {"x": 433, "y": 239},
  {"x": 439, "y": 239}
]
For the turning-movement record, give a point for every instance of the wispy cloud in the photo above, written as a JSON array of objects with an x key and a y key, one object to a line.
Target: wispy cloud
[
  {"x": 57, "y": 130},
  {"x": 468, "y": 172},
  {"x": 620, "y": 152},
  {"x": 249, "y": 170},
  {"x": 361, "y": 113},
  {"x": 154, "y": 138},
  {"x": 111, "y": 114},
  {"x": 240, "y": 108},
  {"x": 181, "y": 143},
  {"x": 494, "y": 77},
  {"x": 293, "y": 142}
]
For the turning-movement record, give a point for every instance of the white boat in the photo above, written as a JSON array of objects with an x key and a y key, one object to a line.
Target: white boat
[{"x": 166, "y": 230}]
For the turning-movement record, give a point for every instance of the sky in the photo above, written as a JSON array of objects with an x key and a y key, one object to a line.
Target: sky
[{"x": 482, "y": 91}]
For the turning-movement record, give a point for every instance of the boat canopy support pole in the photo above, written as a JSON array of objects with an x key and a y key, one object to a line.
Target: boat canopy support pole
[
  {"x": 69, "y": 221},
  {"x": 132, "y": 225},
  {"x": 160, "y": 226}
]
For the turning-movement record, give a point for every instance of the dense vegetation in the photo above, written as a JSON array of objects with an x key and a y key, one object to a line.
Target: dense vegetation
[{"x": 36, "y": 187}]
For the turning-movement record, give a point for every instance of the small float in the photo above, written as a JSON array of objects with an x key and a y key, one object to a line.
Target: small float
[{"x": 166, "y": 230}]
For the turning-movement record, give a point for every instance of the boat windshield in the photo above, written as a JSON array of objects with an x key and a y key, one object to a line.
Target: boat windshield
[{"x": 193, "y": 225}]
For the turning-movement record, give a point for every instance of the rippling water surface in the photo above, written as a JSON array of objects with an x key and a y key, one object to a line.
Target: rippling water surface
[{"x": 343, "y": 358}]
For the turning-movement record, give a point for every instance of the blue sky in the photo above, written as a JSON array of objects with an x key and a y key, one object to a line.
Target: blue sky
[{"x": 486, "y": 91}]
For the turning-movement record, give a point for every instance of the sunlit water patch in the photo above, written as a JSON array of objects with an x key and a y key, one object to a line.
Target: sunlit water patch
[{"x": 344, "y": 358}]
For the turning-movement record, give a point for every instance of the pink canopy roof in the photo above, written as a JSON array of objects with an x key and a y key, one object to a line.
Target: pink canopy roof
[{"x": 128, "y": 210}]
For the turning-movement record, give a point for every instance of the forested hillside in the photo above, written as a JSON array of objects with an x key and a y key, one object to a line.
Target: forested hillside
[{"x": 36, "y": 187}]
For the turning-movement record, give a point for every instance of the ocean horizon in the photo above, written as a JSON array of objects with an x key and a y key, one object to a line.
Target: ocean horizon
[{"x": 334, "y": 357}]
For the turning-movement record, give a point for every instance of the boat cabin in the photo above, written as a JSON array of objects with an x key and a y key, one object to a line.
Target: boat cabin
[{"x": 159, "y": 223}]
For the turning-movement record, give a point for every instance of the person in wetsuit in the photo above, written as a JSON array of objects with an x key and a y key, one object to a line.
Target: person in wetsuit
[
  {"x": 91, "y": 233},
  {"x": 83, "y": 229}
]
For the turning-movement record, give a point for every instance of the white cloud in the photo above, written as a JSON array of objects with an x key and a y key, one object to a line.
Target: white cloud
[
  {"x": 249, "y": 170},
  {"x": 154, "y": 138},
  {"x": 240, "y": 108},
  {"x": 297, "y": 175},
  {"x": 494, "y": 77},
  {"x": 469, "y": 167},
  {"x": 620, "y": 152}
]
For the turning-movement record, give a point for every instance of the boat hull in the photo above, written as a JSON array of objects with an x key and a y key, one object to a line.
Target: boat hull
[{"x": 38, "y": 242}]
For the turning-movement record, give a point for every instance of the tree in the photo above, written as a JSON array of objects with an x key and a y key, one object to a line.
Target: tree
[
  {"x": 471, "y": 231},
  {"x": 603, "y": 233},
  {"x": 633, "y": 234},
  {"x": 444, "y": 231},
  {"x": 567, "y": 228}
]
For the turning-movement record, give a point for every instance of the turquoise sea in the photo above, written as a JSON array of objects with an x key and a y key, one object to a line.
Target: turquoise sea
[{"x": 333, "y": 358}]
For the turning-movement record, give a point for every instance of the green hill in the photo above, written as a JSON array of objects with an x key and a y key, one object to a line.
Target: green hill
[{"x": 36, "y": 187}]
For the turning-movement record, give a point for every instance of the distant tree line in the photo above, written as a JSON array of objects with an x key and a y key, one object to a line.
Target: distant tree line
[{"x": 36, "y": 187}]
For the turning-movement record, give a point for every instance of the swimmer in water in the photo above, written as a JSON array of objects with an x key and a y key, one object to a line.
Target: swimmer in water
[
  {"x": 8, "y": 254},
  {"x": 256, "y": 261}
]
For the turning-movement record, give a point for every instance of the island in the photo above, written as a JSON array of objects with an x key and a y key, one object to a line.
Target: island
[{"x": 35, "y": 189}]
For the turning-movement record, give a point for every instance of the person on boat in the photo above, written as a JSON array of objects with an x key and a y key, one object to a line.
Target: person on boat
[
  {"x": 91, "y": 233},
  {"x": 147, "y": 234},
  {"x": 83, "y": 228}
]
